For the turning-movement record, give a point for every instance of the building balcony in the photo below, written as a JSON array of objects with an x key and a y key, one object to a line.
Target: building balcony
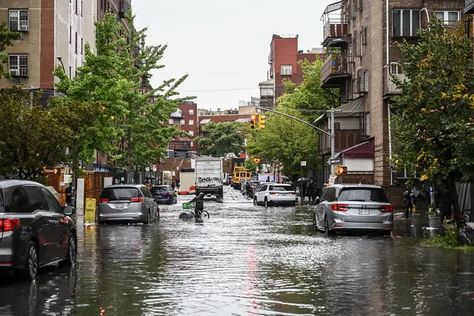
[
  {"x": 390, "y": 88},
  {"x": 335, "y": 33},
  {"x": 336, "y": 70},
  {"x": 335, "y": 26}
]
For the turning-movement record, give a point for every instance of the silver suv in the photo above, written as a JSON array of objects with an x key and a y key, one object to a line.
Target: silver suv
[
  {"x": 127, "y": 203},
  {"x": 35, "y": 230},
  {"x": 353, "y": 206}
]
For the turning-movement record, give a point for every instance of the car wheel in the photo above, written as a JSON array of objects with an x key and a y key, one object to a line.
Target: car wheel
[
  {"x": 30, "y": 271},
  {"x": 327, "y": 231},
  {"x": 255, "y": 202},
  {"x": 265, "y": 203},
  {"x": 147, "y": 218},
  {"x": 315, "y": 223},
  {"x": 72, "y": 251}
]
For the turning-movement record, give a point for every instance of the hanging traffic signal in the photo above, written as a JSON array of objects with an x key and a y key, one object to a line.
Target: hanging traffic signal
[
  {"x": 261, "y": 121},
  {"x": 256, "y": 160},
  {"x": 341, "y": 170},
  {"x": 253, "y": 121}
]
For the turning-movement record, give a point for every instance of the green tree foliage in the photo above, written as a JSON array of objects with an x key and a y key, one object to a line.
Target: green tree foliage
[
  {"x": 286, "y": 141},
  {"x": 123, "y": 116},
  {"x": 6, "y": 39},
  {"x": 222, "y": 138},
  {"x": 433, "y": 125},
  {"x": 31, "y": 137}
]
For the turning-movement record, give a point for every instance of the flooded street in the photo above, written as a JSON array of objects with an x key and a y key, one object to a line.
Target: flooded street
[{"x": 245, "y": 260}]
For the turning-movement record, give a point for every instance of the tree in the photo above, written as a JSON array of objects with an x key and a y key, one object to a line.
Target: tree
[
  {"x": 6, "y": 39},
  {"x": 288, "y": 142},
  {"x": 222, "y": 138},
  {"x": 117, "y": 111},
  {"x": 285, "y": 141},
  {"x": 433, "y": 123},
  {"x": 31, "y": 138}
]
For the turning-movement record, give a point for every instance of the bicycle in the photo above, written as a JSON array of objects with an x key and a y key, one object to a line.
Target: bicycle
[{"x": 196, "y": 214}]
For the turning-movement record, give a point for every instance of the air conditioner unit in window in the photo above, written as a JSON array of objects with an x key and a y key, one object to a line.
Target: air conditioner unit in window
[
  {"x": 23, "y": 27},
  {"x": 14, "y": 72}
]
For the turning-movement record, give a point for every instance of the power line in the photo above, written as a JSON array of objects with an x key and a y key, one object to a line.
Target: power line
[{"x": 220, "y": 90}]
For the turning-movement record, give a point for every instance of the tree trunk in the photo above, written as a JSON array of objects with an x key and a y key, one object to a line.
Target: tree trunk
[{"x": 454, "y": 195}]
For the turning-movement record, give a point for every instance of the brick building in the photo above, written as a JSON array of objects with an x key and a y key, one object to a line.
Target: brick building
[
  {"x": 283, "y": 60},
  {"x": 361, "y": 37},
  {"x": 53, "y": 33},
  {"x": 186, "y": 118}
]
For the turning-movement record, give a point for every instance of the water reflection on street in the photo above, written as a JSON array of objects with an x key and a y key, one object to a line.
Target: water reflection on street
[{"x": 246, "y": 260}]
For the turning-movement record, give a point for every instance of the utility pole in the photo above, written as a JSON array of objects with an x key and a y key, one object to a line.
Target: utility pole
[{"x": 332, "y": 134}]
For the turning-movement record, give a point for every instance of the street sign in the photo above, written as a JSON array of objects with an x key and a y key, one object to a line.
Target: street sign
[
  {"x": 303, "y": 163},
  {"x": 334, "y": 161}
]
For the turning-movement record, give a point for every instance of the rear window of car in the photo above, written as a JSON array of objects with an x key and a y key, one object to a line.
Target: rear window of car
[
  {"x": 113, "y": 194},
  {"x": 280, "y": 188},
  {"x": 155, "y": 190},
  {"x": 363, "y": 195},
  {"x": 1, "y": 201}
]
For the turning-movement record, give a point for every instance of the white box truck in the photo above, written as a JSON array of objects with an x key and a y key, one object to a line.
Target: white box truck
[{"x": 209, "y": 176}]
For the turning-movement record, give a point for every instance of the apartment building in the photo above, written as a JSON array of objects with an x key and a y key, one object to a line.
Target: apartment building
[
  {"x": 360, "y": 38},
  {"x": 283, "y": 60},
  {"x": 186, "y": 118},
  {"x": 119, "y": 7},
  {"x": 53, "y": 32}
]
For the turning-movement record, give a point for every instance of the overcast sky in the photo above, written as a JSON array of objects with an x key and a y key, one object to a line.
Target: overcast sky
[{"x": 224, "y": 44}]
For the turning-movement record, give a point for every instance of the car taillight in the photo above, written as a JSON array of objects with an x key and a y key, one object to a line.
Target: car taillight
[
  {"x": 137, "y": 199},
  {"x": 339, "y": 207},
  {"x": 9, "y": 224},
  {"x": 273, "y": 193},
  {"x": 387, "y": 209},
  {"x": 103, "y": 200}
]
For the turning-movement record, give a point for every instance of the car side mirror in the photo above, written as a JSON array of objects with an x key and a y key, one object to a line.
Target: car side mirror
[{"x": 69, "y": 210}]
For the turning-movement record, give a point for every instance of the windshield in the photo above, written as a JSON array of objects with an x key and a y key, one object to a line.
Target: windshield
[
  {"x": 280, "y": 188},
  {"x": 363, "y": 195},
  {"x": 114, "y": 194}
]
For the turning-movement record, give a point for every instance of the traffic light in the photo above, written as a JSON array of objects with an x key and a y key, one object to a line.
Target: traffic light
[
  {"x": 256, "y": 160},
  {"x": 253, "y": 121},
  {"x": 341, "y": 170},
  {"x": 261, "y": 121}
]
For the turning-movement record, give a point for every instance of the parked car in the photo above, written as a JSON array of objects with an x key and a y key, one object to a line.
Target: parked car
[
  {"x": 164, "y": 194},
  {"x": 35, "y": 230},
  {"x": 353, "y": 206},
  {"x": 275, "y": 194},
  {"x": 127, "y": 203}
]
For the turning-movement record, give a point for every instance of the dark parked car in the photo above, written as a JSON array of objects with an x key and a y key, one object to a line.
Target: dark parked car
[
  {"x": 164, "y": 194},
  {"x": 127, "y": 203},
  {"x": 35, "y": 230}
]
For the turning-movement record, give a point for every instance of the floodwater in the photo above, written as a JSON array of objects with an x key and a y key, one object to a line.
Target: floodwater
[{"x": 246, "y": 260}]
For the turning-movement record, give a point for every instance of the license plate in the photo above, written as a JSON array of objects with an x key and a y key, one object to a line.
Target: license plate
[
  {"x": 120, "y": 205},
  {"x": 364, "y": 212}
]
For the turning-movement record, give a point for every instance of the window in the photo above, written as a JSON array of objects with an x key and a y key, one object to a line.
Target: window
[
  {"x": 364, "y": 36},
  {"x": 115, "y": 194},
  {"x": 182, "y": 122},
  {"x": 53, "y": 204},
  {"x": 18, "y": 65},
  {"x": 191, "y": 133},
  {"x": 395, "y": 68},
  {"x": 191, "y": 112},
  {"x": 363, "y": 195},
  {"x": 191, "y": 122},
  {"x": 171, "y": 121},
  {"x": 146, "y": 192},
  {"x": 365, "y": 84},
  {"x": 82, "y": 46},
  {"x": 75, "y": 7},
  {"x": 329, "y": 194},
  {"x": 82, "y": 7},
  {"x": 70, "y": 34},
  {"x": 406, "y": 23},
  {"x": 18, "y": 20},
  {"x": 447, "y": 17},
  {"x": 75, "y": 44},
  {"x": 286, "y": 70}
]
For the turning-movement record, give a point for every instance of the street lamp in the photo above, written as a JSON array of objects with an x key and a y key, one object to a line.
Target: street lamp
[{"x": 60, "y": 59}]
